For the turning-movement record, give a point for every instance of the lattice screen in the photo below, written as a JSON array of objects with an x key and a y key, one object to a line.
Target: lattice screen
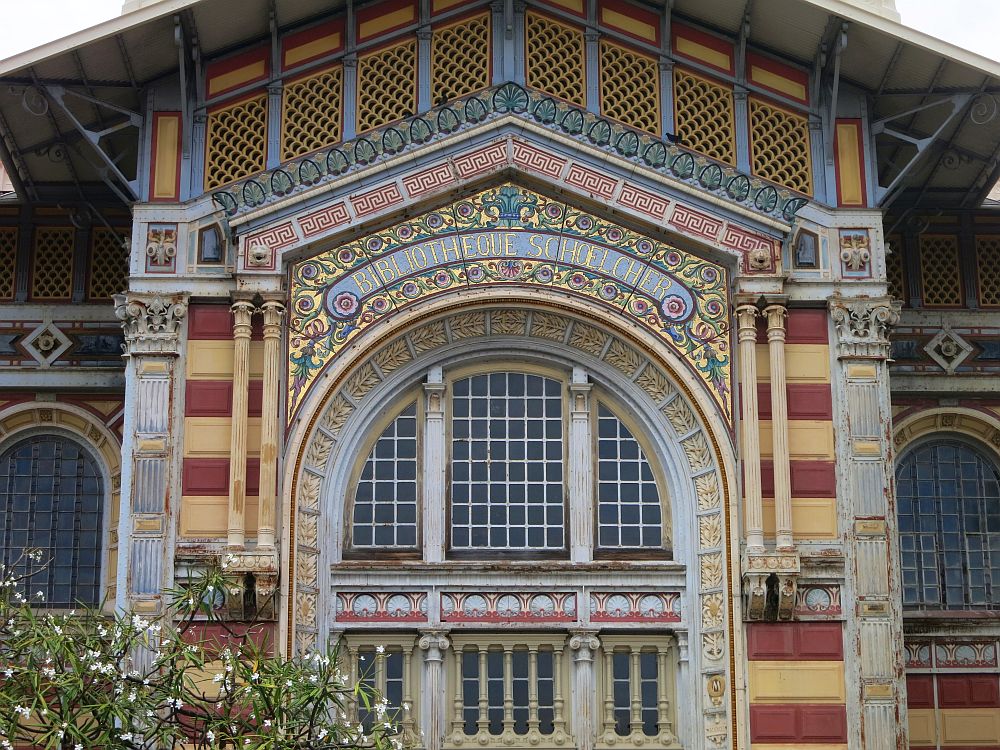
[
  {"x": 52, "y": 271},
  {"x": 8, "y": 261},
  {"x": 895, "y": 276},
  {"x": 236, "y": 142},
  {"x": 779, "y": 146},
  {"x": 311, "y": 112},
  {"x": 940, "y": 270},
  {"x": 387, "y": 85},
  {"x": 988, "y": 265},
  {"x": 704, "y": 116},
  {"x": 630, "y": 87},
  {"x": 556, "y": 58},
  {"x": 108, "y": 264},
  {"x": 460, "y": 59}
]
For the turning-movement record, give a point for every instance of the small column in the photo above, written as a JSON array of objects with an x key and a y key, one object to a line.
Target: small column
[
  {"x": 750, "y": 429},
  {"x": 776, "y": 315},
  {"x": 581, "y": 480},
  {"x": 584, "y": 645},
  {"x": 635, "y": 683},
  {"x": 242, "y": 313},
  {"x": 269, "y": 425},
  {"x": 434, "y": 467},
  {"x": 741, "y": 114},
  {"x": 432, "y": 699}
]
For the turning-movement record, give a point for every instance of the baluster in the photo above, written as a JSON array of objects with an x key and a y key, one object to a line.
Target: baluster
[
  {"x": 662, "y": 691},
  {"x": 634, "y": 679},
  {"x": 609, "y": 693},
  {"x": 532, "y": 690},
  {"x": 458, "y": 709},
  {"x": 483, "y": 723},
  {"x": 406, "y": 710},
  {"x": 558, "y": 719},
  {"x": 508, "y": 691}
]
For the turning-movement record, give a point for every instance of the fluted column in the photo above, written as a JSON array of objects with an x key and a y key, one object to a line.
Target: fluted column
[
  {"x": 750, "y": 429},
  {"x": 269, "y": 426},
  {"x": 776, "y": 315},
  {"x": 242, "y": 315},
  {"x": 434, "y": 467},
  {"x": 584, "y": 645},
  {"x": 432, "y": 709},
  {"x": 581, "y": 479}
]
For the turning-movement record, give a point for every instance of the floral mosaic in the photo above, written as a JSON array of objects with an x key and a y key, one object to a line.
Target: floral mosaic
[{"x": 510, "y": 236}]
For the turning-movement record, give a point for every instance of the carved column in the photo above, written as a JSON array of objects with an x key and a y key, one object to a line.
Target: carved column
[
  {"x": 270, "y": 424},
  {"x": 145, "y": 557},
  {"x": 581, "y": 484},
  {"x": 433, "y": 698},
  {"x": 242, "y": 314},
  {"x": 876, "y": 698},
  {"x": 776, "y": 315},
  {"x": 434, "y": 468},
  {"x": 750, "y": 429},
  {"x": 584, "y": 645}
]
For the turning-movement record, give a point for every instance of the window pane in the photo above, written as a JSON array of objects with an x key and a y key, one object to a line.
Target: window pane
[
  {"x": 629, "y": 510},
  {"x": 947, "y": 494},
  {"x": 385, "y": 501},
  {"x": 506, "y": 462},
  {"x": 52, "y": 499}
]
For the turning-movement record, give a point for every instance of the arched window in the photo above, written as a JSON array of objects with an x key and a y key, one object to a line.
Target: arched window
[
  {"x": 52, "y": 500},
  {"x": 505, "y": 456},
  {"x": 948, "y": 495}
]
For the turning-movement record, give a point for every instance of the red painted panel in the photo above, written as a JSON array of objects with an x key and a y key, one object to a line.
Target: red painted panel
[
  {"x": 801, "y": 327},
  {"x": 255, "y": 395},
  {"x": 210, "y": 476},
  {"x": 387, "y": 8},
  {"x": 214, "y": 398},
  {"x": 641, "y": 15},
  {"x": 795, "y": 640},
  {"x": 215, "y": 323},
  {"x": 805, "y": 400},
  {"x": 773, "y": 66},
  {"x": 804, "y": 723},
  {"x": 697, "y": 36},
  {"x": 920, "y": 691},
  {"x": 968, "y": 691},
  {"x": 292, "y": 41},
  {"x": 233, "y": 63},
  {"x": 809, "y": 478},
  {"x": 215, "y": 637}
]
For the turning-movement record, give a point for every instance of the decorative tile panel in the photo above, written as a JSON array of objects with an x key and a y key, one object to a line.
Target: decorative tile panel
[
  {"x": 630, "y": 87},
  {"x": 965, "y": 654},
  {"x": 704, "y": 116},
  {"x": 508, "y": 607},
  {"x": 8, "y": 261},
  {"x": 646, "y": 607},
  {"x": 52, "y": 272},
  {"x": 819, "y": 599},
  {"x": 988, "y": 269},
  {"x": 311, "y": 112},
  {"x": 363, "y": 606},
  {"x": 108, "y": 270},
  {"x": 940, "y": 272},
  {"x": 779, "y": 146}
]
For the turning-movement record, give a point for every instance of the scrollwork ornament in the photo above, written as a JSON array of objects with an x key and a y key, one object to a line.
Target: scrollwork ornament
[
  {"x": 863, "y": 325},
  {"x": 151, "y": 323},
  {"x": 585, "y": 644},
  {"x": 984, "y": 109}
]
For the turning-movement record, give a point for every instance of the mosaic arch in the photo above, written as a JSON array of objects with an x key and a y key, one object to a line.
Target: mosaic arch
[
  {"x": 682, "y": 407},
  {"x": 509, "y": 236}
]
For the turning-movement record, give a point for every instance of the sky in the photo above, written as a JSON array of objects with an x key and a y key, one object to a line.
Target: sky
[{"x": 972, "y": 24}]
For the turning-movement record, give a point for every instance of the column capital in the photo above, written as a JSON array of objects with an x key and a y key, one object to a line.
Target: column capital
[
  {"x": 151, "y": 322},
  {"x": 273, "y": 311},
  {"x": 584, "y": 643},
  {"x": 433, "y": 642},
  {"x": 746, "y": 319},
  {"x": 863, "y": 325},
  {"x": 776, "y": 315}
]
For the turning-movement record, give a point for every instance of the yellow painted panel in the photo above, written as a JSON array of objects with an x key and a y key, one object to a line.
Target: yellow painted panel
[
  {"x": 762, "y": 746},
  {"x": 778, "y": 83},
  {"x": 922, "y": 731},
  {"x": 807, "y": 438},
  {"x": 804, "y": 363},
  {"x": 851, "y": 170},
  {"x": 970, "y": 726},
  {"x": 209, "y": 436},
  {"x": 812, "y": 517},
  {"x": 213, "y": 360},
  {"x": 209, "y": 516},
  {"x": 797, "y": 682},
  {"x": 701, "y": 52},
  {"x": 237, "y": 77},
  {"x": 312, "y": 49},
  {"x": 629, "y": 24},
  {"x": 388, "y": 21},
  {"x": 168, "y": 128},
  {"x": 439, "y": 5},
  {"x": 574, "y": 5}
]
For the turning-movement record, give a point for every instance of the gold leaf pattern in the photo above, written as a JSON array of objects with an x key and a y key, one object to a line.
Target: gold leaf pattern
[
  {"x": 546, "y": 326},
  {"x": 362, "y": 381},
  {"x": 711, "y": 611},
  {"x": 588, "y": 338},
  {"x": 710, "y": 530},
  {"x": 509, "y": 322},
  {"x": 624, "y": 357},
  {"x": 393, "y": 356},
  {"x": 319, "y": 451},
  {"x": 711, "y": 570},
  {"x": 336, "y": 415},
  {"x": 697, "y": 452},
  {"x": 655, "y": 383},
  {"x": 712, "y": 646},
  {"x": 779, "y": 146},
  {"x": 305, "y": 608},
  {"x": 309, "y": 486},
  {"x": 680, "y": 416},
  {"x": 704, "y": 115},
  {"x": 431, "y": 336},
  {"x": 307, "y": 528},
  {"x": 707, "y": 489},
  {"x": 307, "y": 564}
]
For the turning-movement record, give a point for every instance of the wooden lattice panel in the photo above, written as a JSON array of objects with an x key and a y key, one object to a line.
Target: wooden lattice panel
[
  {"x": 460, "y": 58},
  {"x": 894, "y": 273},
  {"x": 311, "y": 111},
  {"x": 52, "y": 270},
  {"x": 108, "y": 264},
  {"x": 387, "y": 85},
  {"x": 704, "y": 116},
  {"x": 779, "y": 146},
  {"x": 8, "y": 261},
  {"x": 940, "y": 270},
  {"x": 988, "y": 266},
  {"x": 236, "y": 142},
  {"x": 556, "y": 58},
  {"x": 630, "y": 87}
]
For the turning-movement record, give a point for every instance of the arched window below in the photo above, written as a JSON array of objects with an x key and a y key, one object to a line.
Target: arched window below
[
  {"x": 52, "y": 500},
  {"x": 948, "y": 495}
]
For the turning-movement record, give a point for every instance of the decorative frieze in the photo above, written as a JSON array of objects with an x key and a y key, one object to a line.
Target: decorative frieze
[
  {"x": 508, "y": 607},
  {"x": 625, "y": 607},
  {"x": 374, "y": 607}
]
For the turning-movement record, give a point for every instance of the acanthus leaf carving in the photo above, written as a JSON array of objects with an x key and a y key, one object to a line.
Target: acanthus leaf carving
[
  {"x": 863, "y": 325},
  {"x": 151, "y": 322}
]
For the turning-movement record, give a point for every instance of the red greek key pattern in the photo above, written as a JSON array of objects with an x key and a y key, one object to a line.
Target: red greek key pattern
[
  {"x": 428, "y": 180},
  {"x": 482, "y": 160},
  {"x": 377, "y": 199},
  {"x": 748, "y": 242},
  {"x": 643, "y": 201},
  {"x": 591, "y": 181},
  {"x": 275, "y": 238},
  {"x": 537, "y": 160},
  {"x": 321, "y": 221},
  {"x": 694, "y": 222}
]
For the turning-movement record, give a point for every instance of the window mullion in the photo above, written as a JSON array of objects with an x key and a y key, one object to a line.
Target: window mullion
[
  {"x": 434, "y": 468},
  {"x": 581, "y": 469},
  {"x": 508, "y": 690},
  {"x": 635, "y": 682},
  {"x": 532, "y": 690},
  {"x": 483, "y": 723}
]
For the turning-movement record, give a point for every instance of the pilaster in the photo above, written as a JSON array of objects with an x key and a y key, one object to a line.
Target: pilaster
[
  {"x": 753, "y": 507},
  {"x": 242, "y": 310},
  {"x": 874, "y": 628},
  {"x": 273, "y": 311},
  {"x": 584, "y": 645},
  {"x": 776, "y": 315},
  {"x": 434, "y": 467},
  {"x": 581, "y": 480}
]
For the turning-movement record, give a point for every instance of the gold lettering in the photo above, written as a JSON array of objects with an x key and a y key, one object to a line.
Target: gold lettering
[
  {"x": 453, "y": 250},
  {"x": 363, "y": 282},
  {"x": 632, "y": 271},
  {"x": 382, "y": 266},
  {"x": 661, "y": 287},
  {"x": 468, "y": 246},
  {"x": 535, "y": 250},
  {"x": 508, "y": 244}
]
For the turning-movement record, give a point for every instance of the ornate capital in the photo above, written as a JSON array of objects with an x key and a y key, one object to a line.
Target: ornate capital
[
  {"x": 435, "y": 643},
  {"x": 746, "y": 318},
  {"x": 769, "y": 584},
  {"x": 151, "y": 322},
  {"x": 775, "y": 315},
  {"x": 863, "y": 325},
  {"x": 584, "y": 643}
]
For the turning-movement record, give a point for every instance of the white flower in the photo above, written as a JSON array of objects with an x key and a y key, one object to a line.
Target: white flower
[
  {"x": 126, "y": 737},
  {"x": 25, "y": 712},
  {"x": 380, "y": 649},
  {"x": 267, "y": 722},
  {"x": 77, "y": 747},
  {"x": 210, "y": 736}
]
